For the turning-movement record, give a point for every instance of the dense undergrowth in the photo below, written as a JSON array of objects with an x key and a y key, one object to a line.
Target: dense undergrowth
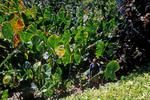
[{"x": 48, "y": 46}]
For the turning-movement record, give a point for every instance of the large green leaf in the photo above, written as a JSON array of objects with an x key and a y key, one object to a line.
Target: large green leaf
[
  {"x": 53, "y": 41},
  {"x": 67, "y": 57},
  {"x": 66, "y": 37},
  {"x": 61, "y": 15},
  {"x": 26, "y": 36},
  {"x": 47, "y": 13},
  {"x": 81, "y": 37},
  {"x": 100, "y": 47},
  {"x": 7, "y": 30},
  {"x": 111, "y": 68},
  {"x": 37, "y": 43}
]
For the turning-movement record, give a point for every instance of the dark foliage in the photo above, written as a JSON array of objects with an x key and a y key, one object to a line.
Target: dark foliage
[{"x": 134, "y": 35}]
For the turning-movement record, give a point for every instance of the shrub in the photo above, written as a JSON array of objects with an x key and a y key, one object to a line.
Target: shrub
[
  {"x": 46, "y": 44},
  {"x": 134, "y": 35}
]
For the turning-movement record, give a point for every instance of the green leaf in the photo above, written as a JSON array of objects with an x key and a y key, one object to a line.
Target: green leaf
[
  {"x": 36, "y": 66},
  {"x": 81, "y": 37},
  {"x": 26, "y": 36},
  {"x": 56, "y": 77},
  {"x": 5, "y": 95},
  {"x": 77, "y": 56},
  {"x": 37, "y": 42},
  {"x": 31, "y": 12},
  {"x": 47, "y": 13},
  {"x": 92, "y": 27},
  {"x": 111, "y": 68},
  {"x": 67, "y": 57},
  {"x": 48, "y": 70},
  {"x": 53, "y": 41},
  {"x": 66, "y": 37},
  {"x": 58, "y": 71},
  {"x": 100, "y": 48},
  {"x": 61, "y": 14},
  {"x": 1, "y": 19},
  {"x": 29, "y": 74},
  {"x": 7, "y": 30},
  {"x": 32, "y": 29}
]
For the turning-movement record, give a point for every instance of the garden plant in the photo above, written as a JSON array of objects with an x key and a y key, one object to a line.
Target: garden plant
[{"x": 50, "y": 48}]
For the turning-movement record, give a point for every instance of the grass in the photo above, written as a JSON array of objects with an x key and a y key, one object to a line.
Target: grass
[{"x": 136, "y": 86}]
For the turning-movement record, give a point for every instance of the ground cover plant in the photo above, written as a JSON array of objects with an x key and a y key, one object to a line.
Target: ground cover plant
[
  {"x": 50, "y": 47},
  {"x": 133, "y": 87}
]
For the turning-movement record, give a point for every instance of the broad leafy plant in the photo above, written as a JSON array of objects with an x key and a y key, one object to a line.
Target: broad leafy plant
[{"x": 50, "y": 42}]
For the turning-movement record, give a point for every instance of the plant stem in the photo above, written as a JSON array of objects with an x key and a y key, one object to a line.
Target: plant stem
[{"x": 8, "y": 57}]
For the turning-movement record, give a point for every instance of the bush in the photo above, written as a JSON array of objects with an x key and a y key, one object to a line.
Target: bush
[
  {"x": 50, "y": 42},
  {"x": 47, "y": 45},
  {"x": 134, "y": 35}
]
